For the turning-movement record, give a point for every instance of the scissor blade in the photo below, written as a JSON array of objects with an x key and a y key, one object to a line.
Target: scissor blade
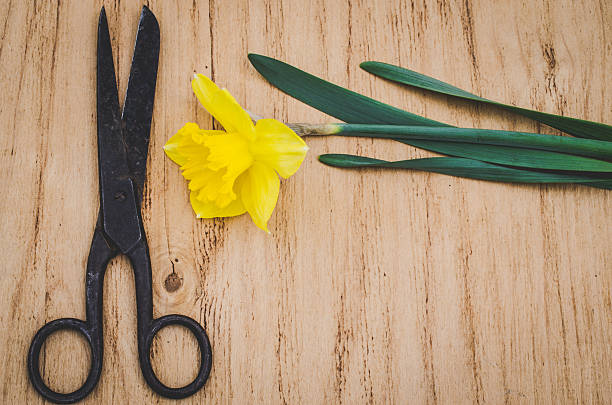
[
  {"x": 121, "y": 217},
  {"x": 111, "y": 146},
  {"x": 138, "y": 106}
]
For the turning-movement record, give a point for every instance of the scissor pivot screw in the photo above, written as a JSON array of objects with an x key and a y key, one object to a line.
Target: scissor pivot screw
[{"x": 120, "y": 195}]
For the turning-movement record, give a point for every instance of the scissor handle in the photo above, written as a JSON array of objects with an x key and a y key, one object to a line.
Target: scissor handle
[
  {"x": 205, "y": 357},
  {"x": 34, "y": 356},
  {"x": 99, "y": 255},
  {"x": 148, "y": 328}
]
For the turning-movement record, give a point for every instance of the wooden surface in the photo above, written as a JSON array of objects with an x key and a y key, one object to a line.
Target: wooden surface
[{"x": 375, "y": 286}]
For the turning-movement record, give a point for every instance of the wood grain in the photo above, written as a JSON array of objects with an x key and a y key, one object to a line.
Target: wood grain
[{"x": 375, "y": 286}]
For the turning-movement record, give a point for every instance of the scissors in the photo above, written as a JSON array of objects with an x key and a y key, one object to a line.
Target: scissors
[{"x": 123, "y": 142}]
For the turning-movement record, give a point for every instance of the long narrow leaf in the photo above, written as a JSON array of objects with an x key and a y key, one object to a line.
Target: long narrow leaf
[
  {"x": 562, "y": 144},
  {"x": 347, "y": 105},
  {"x": 573, "y": 126},
  {"x": 331, "y": 99},
  {"x": 604, "y": 185},
  {"x": 469, "y": 168}
]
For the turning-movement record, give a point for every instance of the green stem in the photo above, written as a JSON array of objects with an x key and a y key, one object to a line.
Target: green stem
[{"x": 562, "y": 144}]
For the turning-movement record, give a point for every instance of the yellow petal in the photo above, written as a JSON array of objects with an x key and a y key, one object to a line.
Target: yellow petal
[
  {"x": 204, "y": 89},
  {"x": 278, "y": 147},
  {"x": 229, "y": 113},
  {"x": 258, "y": 188},
  {"x": 211, "y": 210},
  {"x": 221, "y": 105}
]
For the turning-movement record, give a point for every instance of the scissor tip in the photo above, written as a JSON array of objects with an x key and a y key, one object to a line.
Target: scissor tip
[
  {"x": 146, "y": 10},
  {"x": 102, "y": 14},
  {"x": 147, "y": 17}
]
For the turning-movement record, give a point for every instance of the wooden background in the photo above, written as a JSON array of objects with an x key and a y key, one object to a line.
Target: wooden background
[{"x": 375, "y": 286}]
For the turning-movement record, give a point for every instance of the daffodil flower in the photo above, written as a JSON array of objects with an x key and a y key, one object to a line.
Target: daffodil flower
[{"x": 234, "y": 171}]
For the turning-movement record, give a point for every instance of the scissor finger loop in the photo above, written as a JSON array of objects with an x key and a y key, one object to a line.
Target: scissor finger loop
[
  {"x": 34, "y": 359},
  {"x": 205, "y": 356}
]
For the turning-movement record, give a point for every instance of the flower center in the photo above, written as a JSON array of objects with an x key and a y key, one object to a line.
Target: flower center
[{"x": 228, "y": 157}]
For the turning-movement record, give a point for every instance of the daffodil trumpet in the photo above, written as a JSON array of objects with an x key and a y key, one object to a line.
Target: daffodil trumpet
[{"x": 235, "y": 170}]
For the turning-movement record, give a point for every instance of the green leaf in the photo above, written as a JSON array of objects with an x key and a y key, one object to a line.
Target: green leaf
[
  {"x": 347, "y": 105},
  {"x": 573, "y": 126},
  {"x": 605, "y": 185},
  {"x": 471, "y": 168},
  {"x": 331, "y": 99}
]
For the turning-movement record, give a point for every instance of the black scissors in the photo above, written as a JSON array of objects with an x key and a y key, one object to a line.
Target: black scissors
[{"x": 123, "y": 142}]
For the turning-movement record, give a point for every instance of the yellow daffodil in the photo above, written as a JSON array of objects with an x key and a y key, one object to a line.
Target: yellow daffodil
[{"x": 234, "y": 171}]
